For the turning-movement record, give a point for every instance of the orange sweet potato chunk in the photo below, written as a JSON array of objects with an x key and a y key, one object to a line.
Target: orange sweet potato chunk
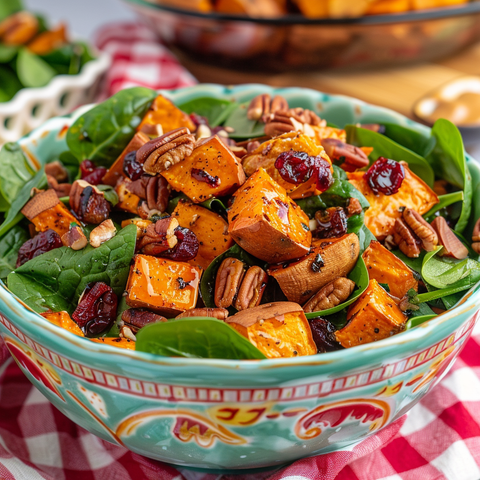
[
  {"x": 163, "y": 112},
  {"x": 214, "y": 159},
  {"x": 384, "y": 267},
  {"x": 63, "y": 319},
  {"x": 278, "y": 329},
  {"x": 266, "y": 222},
  {"x": 265, "y": 155},
  {"x": 49, "y": 40},
  {"x": 385, "y": 209},
  {"x": 380, "y": 7},
  {"x": 209, "y": 227},
  {"x": 115, "y": 172},
  {"x": 118, "y": 342},
  {"x": 127, "y": 200},
  {"x": 374, "y": 316},
  {"x": 162, "y": 285},
  {"x": 252, "y": 8}
]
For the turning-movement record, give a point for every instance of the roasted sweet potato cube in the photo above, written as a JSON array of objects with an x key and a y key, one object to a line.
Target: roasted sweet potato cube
[
  {"x": 267, "y": 223},
  {"x": 162, "y": 285},
  {"x": 47, "y": 41},
  {"x": 211, "y": 170},
  {"x": 163, "y": 112},
  {"x": 385, "y": 209},
  {"x": 329, "y": 259},
  {"x": 277, "y": 329},
  {"x": 199, "y": 5},
  {"x": 115, "y": 172},
  {"x": 118, "y": 342},
  {"x": 384, "y": 267},
  {"x": 252, "y": 8},
  {"x": 63, "y": 319},
  {"x": 266, "y": 154},
  {"x": 209, "y": 227},
  {"x": 127, "y": 200},
  {"x": 380, "y": 7},
  {"x": 374, "y": 316},
  {"x": 46, "y": 211}
]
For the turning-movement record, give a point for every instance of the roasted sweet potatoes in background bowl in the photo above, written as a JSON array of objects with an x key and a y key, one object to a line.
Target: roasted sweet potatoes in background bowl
[{"x": 231, "y": 414}]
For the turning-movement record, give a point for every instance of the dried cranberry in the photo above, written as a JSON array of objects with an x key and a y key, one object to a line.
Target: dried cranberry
[
  {"x": 96, "y": 310},
  {"x": 132, "y": 168},
  {"x": 323, "y": 333},
  {"x": 41, "y": 243},
  {"x": 186, "y": 248},
  {"x": 91, "y": 173},
  {"x": 203, "y": 176},
  {"x": 332, "y": 223},
  {"x": 324, "y": 174},
  {"x": 385, "y": 176},
  {"x": 198, "y": 119}
]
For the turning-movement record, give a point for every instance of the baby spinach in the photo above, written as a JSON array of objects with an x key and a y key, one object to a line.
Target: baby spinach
[
  {"x": 56, "y": 279},
  {"x": 448, "y": 159},
  {"x": 444, "y": 201},
  {"x": 71, "y": 164},
  {"x": 109, "y": 193},
  {"x": 32, "y": 71},
  {"x": 196, "y": 338},
  {"x": 213, "y": 109},
  {"x": 365, "y": 236},
  {"x": 384, "y": 147},
  {"x": 243, "y": 128},
  {"x": 8, "y": 7},
  {"x": 103, "y": 132},
  {"x": 416, "y": 321},
  {"x": 409, "y": 138},
  {"x": 9, "y": 246}
]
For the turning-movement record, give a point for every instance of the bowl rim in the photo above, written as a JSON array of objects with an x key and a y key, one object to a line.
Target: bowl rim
[
  {"x": 298, "y": 19},
  {"x": 31, "y": 319}
]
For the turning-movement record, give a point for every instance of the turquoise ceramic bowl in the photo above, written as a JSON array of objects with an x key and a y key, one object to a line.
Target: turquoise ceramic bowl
[{"x": 225, "y": 414}]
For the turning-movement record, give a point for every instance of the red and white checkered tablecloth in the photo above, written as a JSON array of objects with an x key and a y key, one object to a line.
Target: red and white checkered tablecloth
[{"x": 438, "y": 440}]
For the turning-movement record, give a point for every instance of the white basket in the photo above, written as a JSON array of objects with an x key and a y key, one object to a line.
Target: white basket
[{"x": 30, "y": 107}]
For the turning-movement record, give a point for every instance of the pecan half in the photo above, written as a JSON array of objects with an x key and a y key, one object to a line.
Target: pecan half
[
  {"x": 476, "y": 237},
  {"x": 227, "y": 283},
  {"x": 57, "y": 171},
  {"x": 18, "y": 29},
  {"x": 155, "y": 190},
  {"x": 405, "y": 239},
  {"x": 88, "y": 203},
  {"x": 452, "y": 246},
  {"x": 218, "y": 313},
  {"x": 332, "y": 294},
  {"x": 280, "y": 123},
  {"x": 264, "y": 104},
  {"x": 161, "y": 153},
  {"x": 136, "y": 318},
  {"x": 303, "y": 115},
  {"x": 422, "y": 229},
  {"x": 337, "y": 150},
  {"x": 61, "y": 189},
  {"x": 252, "y": 288},
  {"x": 159, "y": 236},
  {"x": 104, "y": 232}
]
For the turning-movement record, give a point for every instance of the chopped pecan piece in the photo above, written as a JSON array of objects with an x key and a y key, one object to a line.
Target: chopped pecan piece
[
  {"x": 353, "y": 156},
  {"x": 57, "y": 171},
  {"x": 75, "y": 238},
  {"x": 104, "y": 232},
  {"x": 153, "y": 130},
  {"x": 136, "y": 318},
  {"x": 18, "y": 29},
  {"x": 126, "y": 332},
  {"x": 406, "y": 240},
  {"x": 353, "y": 207},
  {"x": 159, "y": 236},
  {"x": 161, "y": 153},
  {"x": 280, "y": 123},
  {"x": 61, "y": 189},
  {"x": 263, "y": 105},
  {"x": 251, "y": 289},
  {"x": 422, "y": 229},
  {"x": 218, "y": 313},
  {"x": 155, "y": 190},
  {"x": 303, "y": 115},
  {"x": 88, "y": 203},
  {"x": 227, "y": 283},
  {"x": 476, "y": 237},
  {"x": 332, "y": 294},
  {"x": 40, "y": 202},
  {"x": 452, "y": 246}
]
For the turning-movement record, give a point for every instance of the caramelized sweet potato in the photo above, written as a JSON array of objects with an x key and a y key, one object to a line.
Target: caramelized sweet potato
[
  {"x": 49, "y": 40},
  {"x": 277, "y": 329},
  {"x": 265, "y": 222},
  {"x": 329, "y": 259},
  {"x": 63, "y": 319},
  {"x": 211, "y": 170},
  {"x": 374, "y": 316},
  {"x": 252, "y": 8},
  {"x": 162, "y": 285},
  {"x": 163, "y": 112},
  {"x": 384, "y": 267},
  {"x": 140, "y": 223},
  {"x": 46, "y": 211},
  {"x": 127, "y": 200},
  {"x": 210, "y": 229},
  {"x": 380, "y": 7},
  {"x": 115, "y": 172},
  {"x": 385, "y": 209},
  {"x": 118, "y": 342},
  {"x": 266, "y": 154},
  {"x": 197, "y": 5}
]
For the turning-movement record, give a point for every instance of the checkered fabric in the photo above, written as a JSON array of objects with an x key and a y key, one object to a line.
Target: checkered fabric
[{"x": 439, "y": 439}]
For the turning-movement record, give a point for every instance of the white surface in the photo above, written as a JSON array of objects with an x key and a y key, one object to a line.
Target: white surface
[{"x": 83, "y": 17}]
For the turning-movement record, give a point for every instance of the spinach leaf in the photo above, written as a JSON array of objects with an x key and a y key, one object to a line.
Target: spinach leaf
[
  {"x": 16, "y": 171},
  {"x": 9, "y": 85},
  {"x": 359, "y": 275},
  {"x": 9, "y": 246},
  {"x": 243, "y": 128},
  {"x": 414, "y": 263},
  {"x": 434, "y": 294},
  {"x": 384, "y": 147},
  {"x": 7, "y": 52},
  {"x": 207, "y": 283},
  {"x": 444, "y": 201},
  {"x": 196, "y": 338},
  {"x": 13, "y": 216},
  {"x": 448, "y": 159},
  {"x": 365, "y": 236},
  {"x": 213, "y": 109},
  {"x": 109, "y": 193},
  {"x": 103, "y": 132},
  {"x": 418, "y": 320},
  {"x": 71, "y": 164},
  {"x": 7, "y": 7},
  {"x": 56, "y": 279},
  {"x": 409, "y": 138},
  {"x": 32, "y": 71}
]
